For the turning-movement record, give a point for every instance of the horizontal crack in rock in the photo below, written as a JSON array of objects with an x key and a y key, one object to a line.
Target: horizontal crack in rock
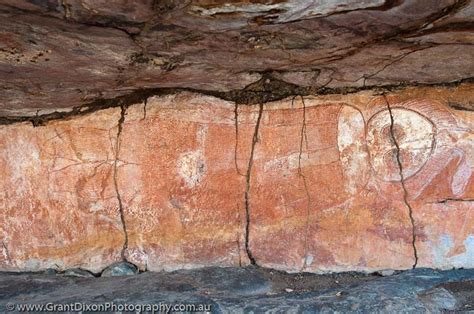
[
  {"x": 265, "y": 90},
  {"x": 446, "y": 200}
]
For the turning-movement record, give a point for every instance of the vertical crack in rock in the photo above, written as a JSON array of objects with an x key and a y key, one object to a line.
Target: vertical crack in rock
[
  {"x": 123, "y": 110},
  {"x": 304, "y": 139},
  {"x": 67, "y": 10},
  {"x": 7, "y": 253},
  {"x": 402, "y": 182},
  {"x": 144, "y": 108},
  {"x": 247, "y": 187},
  {"x": 236, "y": 121},
  {"x": 239, "y": 250}
]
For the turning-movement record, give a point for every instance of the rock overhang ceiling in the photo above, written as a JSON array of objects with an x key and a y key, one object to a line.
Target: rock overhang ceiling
[{"x": 59, "y": 55}]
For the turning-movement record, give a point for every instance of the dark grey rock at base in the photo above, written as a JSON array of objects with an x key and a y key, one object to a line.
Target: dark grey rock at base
[
  {"x": 120, "y": 269},
  {"x": 253, "y": 289},
  {"x": 50, "y": 271},
  {"x": 438, "y": 299},
  {"x": 239, "y": 281}
]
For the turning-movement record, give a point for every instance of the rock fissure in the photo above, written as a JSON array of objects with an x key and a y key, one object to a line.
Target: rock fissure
[
  {"x": 247, "y": 187},
  {"x": 123, "y": 110},
  {"x": 447, "y": 200},
  {"x": 402, "y": 182},
  {"x": 239, "y": 249},
  {"x": 236, "y": 123},
  {"x": 7, "y": 252},
  {"x": 397, "y": 59},
  {"x": 446, "y": 12},
  {"x": 144, "y": 108},
  {"x": 462, "y": 107},
  {"x": 304, "y": 139}
]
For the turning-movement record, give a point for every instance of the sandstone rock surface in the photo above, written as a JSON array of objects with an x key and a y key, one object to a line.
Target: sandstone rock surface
[
  {"x": 319, "y": 183},
  {"x": 119, "y": 47}
]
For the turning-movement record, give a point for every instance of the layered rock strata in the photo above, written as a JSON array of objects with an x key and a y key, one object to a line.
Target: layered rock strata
[{"x": 118, "y": 47}]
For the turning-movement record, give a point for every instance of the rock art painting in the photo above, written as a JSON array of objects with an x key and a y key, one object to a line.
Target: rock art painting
[
  {"x": 358, "y": 182},
  {"x": 183, "y": 199},
  {"x": 58, "y": 204}
]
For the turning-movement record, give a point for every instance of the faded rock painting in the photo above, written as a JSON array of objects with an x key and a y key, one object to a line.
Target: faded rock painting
[
  {"x": 183, "y": 198},
  {"x": 58, "y": 205},
  {"x": 331, "y": 183},
  {"x": 325, "y": 195},
  {"x": 436, "y": 157}
]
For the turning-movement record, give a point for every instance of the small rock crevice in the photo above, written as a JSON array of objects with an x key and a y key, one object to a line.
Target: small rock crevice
[
  {"x": 304, "y": 140},
  {"x": 6, "y": 252},
  {"x": 394, "y": 61},
  {"x": 144, "y": 108},
  {"x": 236, "y": 123},
  {"x": 117, "y": 192},
  {"x": 402, "y": 182},
  {"x": 447, "y": 200},
  {"x": 247, "y": 187}
]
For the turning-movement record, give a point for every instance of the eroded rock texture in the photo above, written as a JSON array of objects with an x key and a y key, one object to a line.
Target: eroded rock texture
[
  {"x": 320, "y": 183},
  {"x": 84, "y": 51}
]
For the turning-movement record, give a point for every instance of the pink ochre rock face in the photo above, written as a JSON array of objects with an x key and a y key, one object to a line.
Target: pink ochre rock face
[{"x": 357, "y": 182}]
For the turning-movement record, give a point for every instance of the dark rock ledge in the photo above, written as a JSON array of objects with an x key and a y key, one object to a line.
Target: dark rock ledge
[{"x": 252, "y": 289}]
